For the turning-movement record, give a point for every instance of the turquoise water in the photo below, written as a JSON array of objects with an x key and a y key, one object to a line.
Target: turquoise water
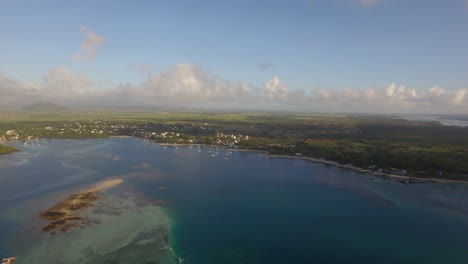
[{"x": 208, "y": 205}]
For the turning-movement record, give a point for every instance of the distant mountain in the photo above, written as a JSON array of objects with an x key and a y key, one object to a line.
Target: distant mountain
[{"x": 46, "y": 107}]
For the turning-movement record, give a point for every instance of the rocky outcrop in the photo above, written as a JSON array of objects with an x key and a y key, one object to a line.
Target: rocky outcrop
[
  {"x": 61, "y": 217},
  {"x": 9, "y": 260}
]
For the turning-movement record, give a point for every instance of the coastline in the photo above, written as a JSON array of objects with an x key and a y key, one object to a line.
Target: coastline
[
  {"x": 214, "y": 146},
  {"x": 408, "y": 179},
  {"x": 401, "y": 178}
]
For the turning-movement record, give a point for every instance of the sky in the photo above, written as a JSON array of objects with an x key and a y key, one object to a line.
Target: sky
[{"x": 408, "y": 56}]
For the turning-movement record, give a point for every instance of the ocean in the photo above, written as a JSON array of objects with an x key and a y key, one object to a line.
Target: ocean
[{"x": 202, "y": 205}]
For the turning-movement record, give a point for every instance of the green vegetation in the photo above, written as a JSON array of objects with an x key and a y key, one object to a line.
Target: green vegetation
[
  {"x": 381, "y": 143},
  {"x": 46, "y": 107},
  {"x": 7, "y": 149}
]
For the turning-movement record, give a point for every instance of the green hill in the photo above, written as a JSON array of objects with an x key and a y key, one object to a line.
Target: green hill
[{"x": 46, "y": 107}]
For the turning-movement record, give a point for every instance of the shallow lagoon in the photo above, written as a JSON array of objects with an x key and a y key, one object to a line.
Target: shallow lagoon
[{"x": 209, "y": 205}]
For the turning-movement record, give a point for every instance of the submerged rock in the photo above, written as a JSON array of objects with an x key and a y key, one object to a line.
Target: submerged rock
[
  {"x": 60, "y": 215},
  {"x": 9, "y": 260}
]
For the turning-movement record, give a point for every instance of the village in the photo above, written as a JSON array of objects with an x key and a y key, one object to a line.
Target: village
[{"x": 172, "y": 134}]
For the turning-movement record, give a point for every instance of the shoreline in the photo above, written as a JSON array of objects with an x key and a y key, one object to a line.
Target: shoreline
[
  {"x": 401, "y": 178},
  {"x": 408, "y": 179}
]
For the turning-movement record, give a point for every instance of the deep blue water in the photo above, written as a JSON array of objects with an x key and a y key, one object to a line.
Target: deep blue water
[{"x": 237, "y": 207}]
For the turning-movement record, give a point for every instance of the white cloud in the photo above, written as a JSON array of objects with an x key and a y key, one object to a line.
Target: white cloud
[
  {"x": 435, "y": 91},
  {"x": 178, "y": 85},
  {"x": 274, "y": 90},
  {"x": 370, "y": 94},
  {"x": 191, "y": 86},
  {"x": 397, "y": 95},
  {"x": 325, "y": 96},
  {"x": 390, "y": 90},
  {"x": 460, "y": 95},
  {"x": 393, "y": 98},
  {"x": 58, "y": 85},
  {"x": 13, "y": 92},
  {"x": 437, "y": 96},
  {"x": 60, "y": 81},
  {"x": 88, "y": 45},
  {"x": 187, "y": 82}
]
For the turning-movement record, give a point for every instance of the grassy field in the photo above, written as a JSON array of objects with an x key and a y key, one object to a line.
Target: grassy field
[{"x": 384, "y": 143}]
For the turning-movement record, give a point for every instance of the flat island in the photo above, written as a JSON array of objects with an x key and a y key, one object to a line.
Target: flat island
[{"x": 60, "y": 216}]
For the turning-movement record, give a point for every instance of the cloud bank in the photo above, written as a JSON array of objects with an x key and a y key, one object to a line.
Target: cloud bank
[
  {"x": 274, "y": 90},
  {"x": 88, "y": 45},
  {"x": 188, "y": 85}
]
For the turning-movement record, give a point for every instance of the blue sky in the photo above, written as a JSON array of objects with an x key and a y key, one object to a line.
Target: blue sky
[{"x": 329, "y": 44}]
